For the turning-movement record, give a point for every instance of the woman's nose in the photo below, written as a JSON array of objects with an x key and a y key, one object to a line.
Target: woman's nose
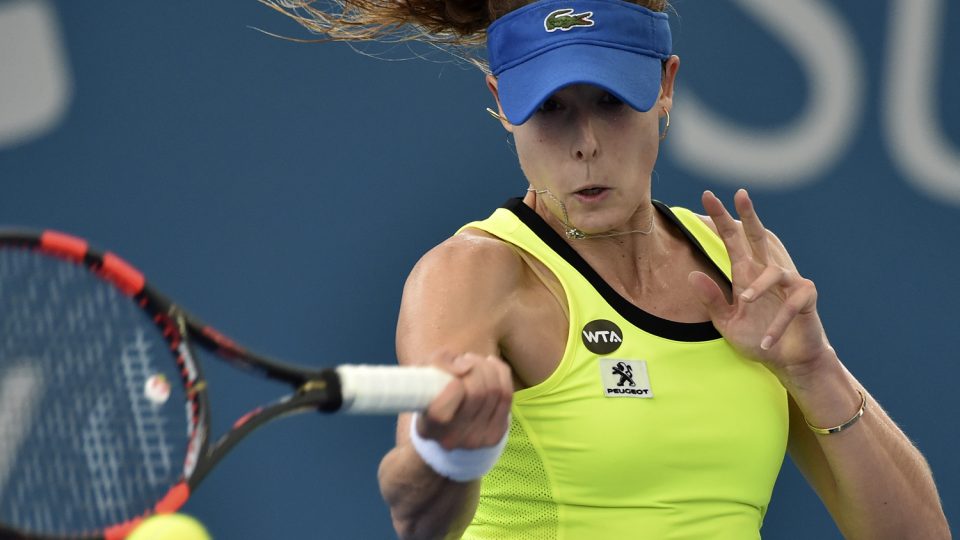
[{"x": 585, "y": 146}]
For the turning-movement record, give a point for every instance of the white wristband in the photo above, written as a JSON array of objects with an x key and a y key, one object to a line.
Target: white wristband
[{"x": 457, "y": 464}]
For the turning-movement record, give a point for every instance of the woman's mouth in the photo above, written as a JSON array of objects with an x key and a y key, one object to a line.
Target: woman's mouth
[{"x": 591, "y": 194}]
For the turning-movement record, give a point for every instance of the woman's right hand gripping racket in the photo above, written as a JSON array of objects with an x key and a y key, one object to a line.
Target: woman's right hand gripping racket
[{"x": 104, "y": 418}]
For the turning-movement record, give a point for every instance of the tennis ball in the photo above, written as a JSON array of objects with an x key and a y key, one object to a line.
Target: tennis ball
[{"x": 170, "y": 527}]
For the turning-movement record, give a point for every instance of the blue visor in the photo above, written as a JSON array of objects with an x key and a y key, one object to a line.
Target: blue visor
[{"x": 542, "y": 47}]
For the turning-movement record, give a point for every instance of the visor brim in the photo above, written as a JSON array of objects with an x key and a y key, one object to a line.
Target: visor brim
[{"x": 633, "y": 77}]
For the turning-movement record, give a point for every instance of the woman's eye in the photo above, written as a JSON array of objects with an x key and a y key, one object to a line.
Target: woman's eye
[
  {"x": 548, "y": 105},
  {"x": 610, "y": 99}
]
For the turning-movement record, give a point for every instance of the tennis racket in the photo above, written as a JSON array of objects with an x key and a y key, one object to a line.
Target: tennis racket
[{"x": 104, "y": 412}]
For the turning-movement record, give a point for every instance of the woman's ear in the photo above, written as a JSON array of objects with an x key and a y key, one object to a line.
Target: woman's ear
[
  {"x": 492, "y": 86},
  {"x": 670, "y": 68}
]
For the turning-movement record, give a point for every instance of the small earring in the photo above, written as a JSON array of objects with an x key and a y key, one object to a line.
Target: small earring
[
  {"x": 497, "y": 115},
  {"x": 666, "y": 126}
]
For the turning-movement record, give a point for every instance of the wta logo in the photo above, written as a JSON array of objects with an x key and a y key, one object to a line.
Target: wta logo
[{"x": 602, "y": 336}]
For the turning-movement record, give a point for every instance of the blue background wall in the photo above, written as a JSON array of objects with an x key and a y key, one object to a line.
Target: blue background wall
[{"x": 283, "y": 191}]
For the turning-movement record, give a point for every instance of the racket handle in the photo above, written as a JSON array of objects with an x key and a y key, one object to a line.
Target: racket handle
[{"x": 389, "y": 389}]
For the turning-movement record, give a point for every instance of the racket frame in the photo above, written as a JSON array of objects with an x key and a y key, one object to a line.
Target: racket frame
[{"x": 314, "y": 389}]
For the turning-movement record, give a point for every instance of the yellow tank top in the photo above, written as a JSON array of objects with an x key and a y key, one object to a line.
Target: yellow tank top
[{"x": 648, "y": 428}]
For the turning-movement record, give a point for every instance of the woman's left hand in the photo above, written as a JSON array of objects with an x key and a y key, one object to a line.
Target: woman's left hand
[{"x": 773, "y": 318}]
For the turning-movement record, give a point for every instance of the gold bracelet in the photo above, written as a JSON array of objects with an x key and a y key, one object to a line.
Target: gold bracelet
[{"x": 845, "y": 425}]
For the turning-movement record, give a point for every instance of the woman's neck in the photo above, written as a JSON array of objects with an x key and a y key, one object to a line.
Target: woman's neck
[{"x": 629, "y": 256}]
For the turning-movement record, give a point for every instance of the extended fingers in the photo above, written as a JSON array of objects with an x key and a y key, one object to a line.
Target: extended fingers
[
  {"x": 754, "y": 230},
  {"x": 802, "y": 299},
  {"x": 741, "y": 239},
  {"x": 727, "y": 227},
  {"x": 771, "y": 275}
]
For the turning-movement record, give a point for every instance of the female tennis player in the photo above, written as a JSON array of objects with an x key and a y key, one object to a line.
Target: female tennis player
[{"x": 623, "y": 369}]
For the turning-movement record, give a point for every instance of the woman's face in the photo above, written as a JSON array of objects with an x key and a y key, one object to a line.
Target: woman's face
[{"x": 593, "y": 153}]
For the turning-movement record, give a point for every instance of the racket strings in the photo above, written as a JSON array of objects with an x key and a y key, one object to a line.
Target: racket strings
[{"x": 92, "y": 425}]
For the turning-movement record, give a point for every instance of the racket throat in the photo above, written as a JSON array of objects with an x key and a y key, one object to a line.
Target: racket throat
[{"x": 324, "y": 391}]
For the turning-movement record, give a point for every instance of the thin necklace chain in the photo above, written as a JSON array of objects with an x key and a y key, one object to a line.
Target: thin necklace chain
[{"x": 575, "y": 233}]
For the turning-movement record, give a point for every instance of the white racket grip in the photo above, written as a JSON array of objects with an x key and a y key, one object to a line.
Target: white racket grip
[{"x": 371, "y": 389}]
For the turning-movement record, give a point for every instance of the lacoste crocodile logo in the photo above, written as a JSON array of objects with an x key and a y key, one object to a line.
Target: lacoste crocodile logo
[{"x": 565, "y": 19}]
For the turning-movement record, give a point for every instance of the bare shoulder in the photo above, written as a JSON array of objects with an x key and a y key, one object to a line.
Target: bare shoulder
[
  {"x": 473, "y": 260},
  {"x": 459, "y": 296}
]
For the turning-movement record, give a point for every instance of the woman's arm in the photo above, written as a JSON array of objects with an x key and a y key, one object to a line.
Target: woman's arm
[
  {"x": 455, "y": 305},
  {"x": 871, "y": 478}
]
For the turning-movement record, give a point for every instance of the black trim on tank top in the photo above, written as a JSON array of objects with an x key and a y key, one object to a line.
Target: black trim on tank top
[
  {"x": 648, "y": 322},
  {"x": 668, "y": 213}
]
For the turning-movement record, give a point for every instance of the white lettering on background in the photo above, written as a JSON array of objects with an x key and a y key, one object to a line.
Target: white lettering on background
[
  {"x": 796, "y": 153},
  {"x": 910, "y": 99}
]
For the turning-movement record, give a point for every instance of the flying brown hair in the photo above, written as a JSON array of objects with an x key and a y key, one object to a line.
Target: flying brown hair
[{"x": 457, "y": 26}]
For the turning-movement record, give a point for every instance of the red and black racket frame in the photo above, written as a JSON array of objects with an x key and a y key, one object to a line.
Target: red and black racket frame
[{"x": 317, "y": 390}]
